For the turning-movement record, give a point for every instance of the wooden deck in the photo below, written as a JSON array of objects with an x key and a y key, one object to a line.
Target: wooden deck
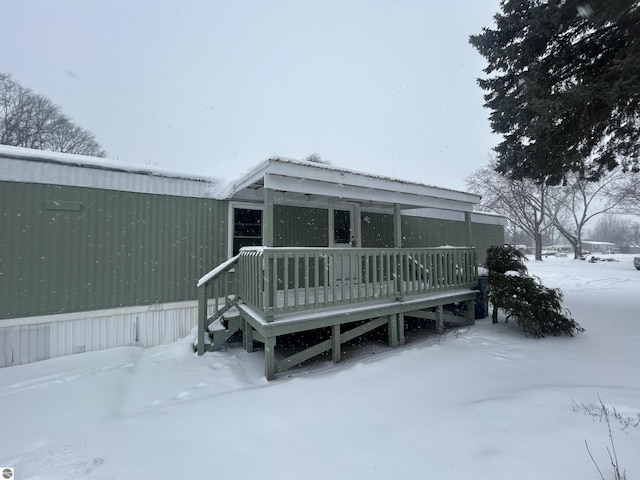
[{"x": 280, "y": 291}]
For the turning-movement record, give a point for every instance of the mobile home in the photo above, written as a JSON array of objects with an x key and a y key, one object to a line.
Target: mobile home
[{"x": 95, "y": 254}]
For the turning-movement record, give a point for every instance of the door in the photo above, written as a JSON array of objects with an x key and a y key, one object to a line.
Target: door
[
  {"x": 343, "y": 234},
  {"x": 342, "y": 227},
  {"x": 246, "y": 228}
]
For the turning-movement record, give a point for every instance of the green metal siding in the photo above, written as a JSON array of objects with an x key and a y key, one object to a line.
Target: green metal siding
[
  {"x": 420, "y": 232},
  {"x": 65, "y": 249},
  {"x": 484, "y": 236},
  {"x": 432, "y": 232},
  {"x": 300, "y": 226},
  {"x": 376, "y": 230}
]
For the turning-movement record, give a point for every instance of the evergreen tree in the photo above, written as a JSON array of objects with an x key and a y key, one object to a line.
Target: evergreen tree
[
  {"x": 537, "y": 309},
  {"x": 563, "y": 87}
]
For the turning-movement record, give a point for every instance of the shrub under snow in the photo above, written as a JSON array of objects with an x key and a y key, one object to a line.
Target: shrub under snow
[{"x": 537, "y": 309}]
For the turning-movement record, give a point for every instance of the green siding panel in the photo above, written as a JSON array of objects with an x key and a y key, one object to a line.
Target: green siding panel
[
  {"x": 300, "y": 226},
  {"x": 65, "y": 249},
  {"x": 485, "y": 236},
  {"x": 430, "y": 232},
  {"x": 377, "y": 230}
]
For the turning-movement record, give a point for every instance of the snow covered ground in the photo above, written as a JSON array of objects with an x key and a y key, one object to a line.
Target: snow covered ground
[{"x": 483, "y": 403}]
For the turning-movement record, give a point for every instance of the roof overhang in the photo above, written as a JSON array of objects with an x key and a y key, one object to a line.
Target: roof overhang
[{"x": 316, "y": 181}]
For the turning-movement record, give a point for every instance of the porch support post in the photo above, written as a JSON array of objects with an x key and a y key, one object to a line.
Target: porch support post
[
  {"x": 269, "y": 358},
  {"x": 397, "y": 243},
  {"x": 468, "y": 233},
  {"x": 397, "y": 226},
  {"x": 267, "y": 220},
  {"x": 392, "y": 327},
  {"x": 336, "y": 354},
  {"x": 401, "y": 338}
]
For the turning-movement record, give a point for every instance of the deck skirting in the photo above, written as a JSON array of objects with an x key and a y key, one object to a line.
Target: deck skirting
[{"x": 30, "y": 339}]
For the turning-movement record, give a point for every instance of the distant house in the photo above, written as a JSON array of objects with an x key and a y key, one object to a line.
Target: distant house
[
  {"x": 96, "y": 254},
  {"x": 595, "y": 246},
  {"x": 559, "y": 249}
]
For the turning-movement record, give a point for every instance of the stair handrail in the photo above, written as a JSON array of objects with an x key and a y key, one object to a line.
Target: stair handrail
[{"x": 219, "y": 275}]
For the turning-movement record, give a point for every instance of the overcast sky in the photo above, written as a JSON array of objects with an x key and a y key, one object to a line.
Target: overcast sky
[{"x": 214, "y": 87}]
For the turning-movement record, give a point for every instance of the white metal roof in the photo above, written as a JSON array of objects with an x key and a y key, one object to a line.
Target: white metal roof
[
  {"x": 38, "y": 166},
  {"x": 293, "y": 177},
  {"x": 320, "y": 180}
]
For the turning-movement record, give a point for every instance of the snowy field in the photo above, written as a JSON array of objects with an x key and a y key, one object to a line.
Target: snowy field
[{"x": 481, "y": 403}]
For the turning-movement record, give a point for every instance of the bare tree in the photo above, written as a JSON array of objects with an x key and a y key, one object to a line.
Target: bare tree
[
  {"x": 33, "y": 121},
  {"x": 610, "y": 228},
  {"x": 571, "y": 206},
  {"x": 316, "y": 158},
  {"x": 523, "y": 202},
  {"x": 634, "y": 234},
  {"x": 626, "y": 194}
]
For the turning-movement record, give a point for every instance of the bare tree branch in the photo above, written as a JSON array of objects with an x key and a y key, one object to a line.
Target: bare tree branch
[
  {"x": 523, "y": 202},
  {"x": 33, "y": 121}
]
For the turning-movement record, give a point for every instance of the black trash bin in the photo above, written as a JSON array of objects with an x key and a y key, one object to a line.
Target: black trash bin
[{"x": 481, "y": 303}]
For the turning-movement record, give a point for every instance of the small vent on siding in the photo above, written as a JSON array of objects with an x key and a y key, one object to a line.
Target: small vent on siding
[{"x": 63, "y": 205}]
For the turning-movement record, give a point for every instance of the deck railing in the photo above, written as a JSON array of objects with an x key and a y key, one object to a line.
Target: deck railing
[
  {"x": 285, "y": 280},
  {"x": 219, "y": 285}
]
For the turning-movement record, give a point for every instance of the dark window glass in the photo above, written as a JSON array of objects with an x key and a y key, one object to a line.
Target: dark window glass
[
  {"x": 247, "y": 228},
  {"x": 341, "y": 226}
]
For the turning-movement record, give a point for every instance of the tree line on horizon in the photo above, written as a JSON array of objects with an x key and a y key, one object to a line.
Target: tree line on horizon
[{"x": 31, "y": 120}]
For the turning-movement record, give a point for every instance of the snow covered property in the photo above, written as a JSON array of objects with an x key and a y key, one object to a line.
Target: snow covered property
[
  {"x": 482, "y": 403},
  {"x": 99, "y": 255}
]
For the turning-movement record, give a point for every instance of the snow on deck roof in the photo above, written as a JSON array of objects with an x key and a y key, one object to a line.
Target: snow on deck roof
[
  {"x": 309, "y": 178},
  {"x": 327, "y": 167}
]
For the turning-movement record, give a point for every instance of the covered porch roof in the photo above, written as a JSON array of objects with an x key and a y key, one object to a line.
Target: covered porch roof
[{"x": 297, "y": 180}]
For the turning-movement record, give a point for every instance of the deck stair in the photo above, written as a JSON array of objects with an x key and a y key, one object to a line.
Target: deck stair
[
  {"x": 223, "y": 328},
  {"x": 218, "y": 319},
  {"x": 269, "y": 292}
]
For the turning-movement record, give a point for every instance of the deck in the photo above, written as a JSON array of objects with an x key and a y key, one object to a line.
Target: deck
[{"x": 282, "y": 291}]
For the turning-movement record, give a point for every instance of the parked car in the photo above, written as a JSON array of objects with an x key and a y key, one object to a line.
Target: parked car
[{"x": 636, "y": 263}]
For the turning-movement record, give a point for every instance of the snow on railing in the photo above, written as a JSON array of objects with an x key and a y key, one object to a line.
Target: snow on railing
[{"x": 277, "y": 280}]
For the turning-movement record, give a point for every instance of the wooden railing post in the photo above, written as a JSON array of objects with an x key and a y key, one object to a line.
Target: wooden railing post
[
  {"x": 202, "y": 316},
  {"x": 219, "y": 278}
]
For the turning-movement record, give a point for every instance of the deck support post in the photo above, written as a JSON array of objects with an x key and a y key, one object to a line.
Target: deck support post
[
  {"x": 468, "y": 232},
  {"x": 269, "y": 358},
  {"x": 401, "y": 338},
  {"x": 439, "y": 319},
  {"x": 336, "y": 353},
  {"x": 392, "y": 328},
  {"x": 247, "y": 336}
]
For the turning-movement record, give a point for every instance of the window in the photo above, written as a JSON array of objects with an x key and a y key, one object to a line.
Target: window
[
  {"x": 247, "y": 228},
  {"x": 342, "y": 226}
]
